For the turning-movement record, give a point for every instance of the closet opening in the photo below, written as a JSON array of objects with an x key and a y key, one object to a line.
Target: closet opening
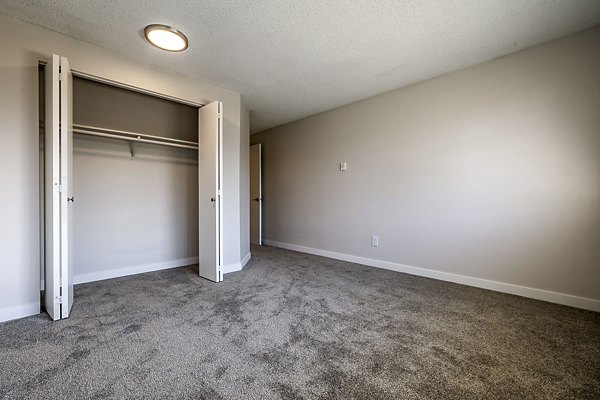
[{"x": 135, "y": 174}]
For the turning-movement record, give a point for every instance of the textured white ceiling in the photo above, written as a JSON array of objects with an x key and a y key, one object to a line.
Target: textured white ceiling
[{"x": 291, "y": 59}]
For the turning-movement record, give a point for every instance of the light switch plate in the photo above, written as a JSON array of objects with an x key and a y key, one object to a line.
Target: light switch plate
[{"x": 375, "y": 241}]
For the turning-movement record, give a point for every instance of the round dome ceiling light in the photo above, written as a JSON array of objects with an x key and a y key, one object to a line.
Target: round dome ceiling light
[{"x": 166, "y": 38}]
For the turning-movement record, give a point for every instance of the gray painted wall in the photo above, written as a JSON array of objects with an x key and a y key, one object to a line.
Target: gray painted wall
[
  {"x": 23, "y": 45},
  {"x": 491, "y": 172}
]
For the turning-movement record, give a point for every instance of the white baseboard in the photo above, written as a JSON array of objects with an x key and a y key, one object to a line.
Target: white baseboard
[
  {"x": 136, "y": 269},
  {"x": 140, "y": 269},
  {"x": 20, "y": 311},
  {"x": 229, "y": 268},
  {"x": 524, "y": 291},
  {"x": 235, "y": 267},
  {"x": 246, "y": 259}
]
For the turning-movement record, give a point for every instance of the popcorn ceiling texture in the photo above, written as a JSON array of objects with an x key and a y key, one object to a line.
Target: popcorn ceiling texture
[
  {"x": 297, "y": 326},
  {"x": 291, "y": 59}
]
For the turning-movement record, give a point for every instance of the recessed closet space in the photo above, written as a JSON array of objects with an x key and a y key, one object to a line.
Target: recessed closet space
[{"x": 135, "y": 203}]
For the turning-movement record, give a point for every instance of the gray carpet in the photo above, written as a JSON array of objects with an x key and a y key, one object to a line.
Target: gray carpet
[{"x": 293, "y": 326}]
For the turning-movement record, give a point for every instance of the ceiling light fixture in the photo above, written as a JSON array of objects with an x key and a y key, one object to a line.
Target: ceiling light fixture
[{"x": 166, "y": 38}]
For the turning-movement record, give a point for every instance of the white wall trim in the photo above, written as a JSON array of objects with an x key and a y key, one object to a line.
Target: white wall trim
[
  {"x": 140, "y": 269},
  {"x": 524, "y": 291},
  {"x": 136, "y": 269},
  {"x": 246, "y": 259},
  {"x": 20, "y": 311},
  {"x": 235, "y": 267}
]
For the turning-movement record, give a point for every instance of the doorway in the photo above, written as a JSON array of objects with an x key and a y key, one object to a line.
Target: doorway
[{"x": 256, "y": 194}]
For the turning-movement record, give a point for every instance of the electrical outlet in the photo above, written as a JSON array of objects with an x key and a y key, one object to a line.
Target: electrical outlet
[{"x": 375, "y": 241}]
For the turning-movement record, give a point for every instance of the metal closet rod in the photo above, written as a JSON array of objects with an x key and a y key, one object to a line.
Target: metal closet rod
[{"x": 133, "y": 137}]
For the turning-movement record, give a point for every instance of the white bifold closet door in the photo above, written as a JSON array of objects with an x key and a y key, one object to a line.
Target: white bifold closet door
[
  {"x": 58, "y": 280},
  {"x": 210, "y": 164}
]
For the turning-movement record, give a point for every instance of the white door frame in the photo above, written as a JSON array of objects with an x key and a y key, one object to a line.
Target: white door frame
[{"x": 258, "y": 198}]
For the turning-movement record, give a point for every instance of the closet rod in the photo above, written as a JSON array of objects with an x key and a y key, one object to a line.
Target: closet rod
[
  {"x": 135, "y": 134},
  {"x": 133, "y": 139}
]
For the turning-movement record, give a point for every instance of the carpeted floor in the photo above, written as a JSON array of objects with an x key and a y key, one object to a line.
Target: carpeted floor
[{"x": 295, "y": 326}]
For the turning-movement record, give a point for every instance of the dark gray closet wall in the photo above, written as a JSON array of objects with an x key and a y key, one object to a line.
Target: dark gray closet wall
[{"x": 106, "y": 106}]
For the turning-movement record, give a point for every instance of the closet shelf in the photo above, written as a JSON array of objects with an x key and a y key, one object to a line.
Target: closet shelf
[{"x": 133, "y": 136}]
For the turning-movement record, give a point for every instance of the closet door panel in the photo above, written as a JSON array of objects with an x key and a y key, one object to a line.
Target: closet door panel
[
  {"x": 58, "y": 147},
  {"x": 66, "y": 175},
  {"x": 52, "y": 193},
  {"x": 209, "y": 191}
]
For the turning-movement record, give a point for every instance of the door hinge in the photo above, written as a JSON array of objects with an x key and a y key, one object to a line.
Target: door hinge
[
  {"x": 59, "y": 299},
  {"x": 60, "y": 188},
  {"x": 219, "y": 115},
  {"x": 219, "y": 192}
]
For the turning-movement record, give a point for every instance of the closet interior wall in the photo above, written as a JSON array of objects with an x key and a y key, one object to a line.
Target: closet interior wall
[{"x": 132, "y": 214}]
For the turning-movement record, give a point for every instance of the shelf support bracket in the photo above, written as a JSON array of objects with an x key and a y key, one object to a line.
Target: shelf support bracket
[{"x": 132, "y": 149}]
